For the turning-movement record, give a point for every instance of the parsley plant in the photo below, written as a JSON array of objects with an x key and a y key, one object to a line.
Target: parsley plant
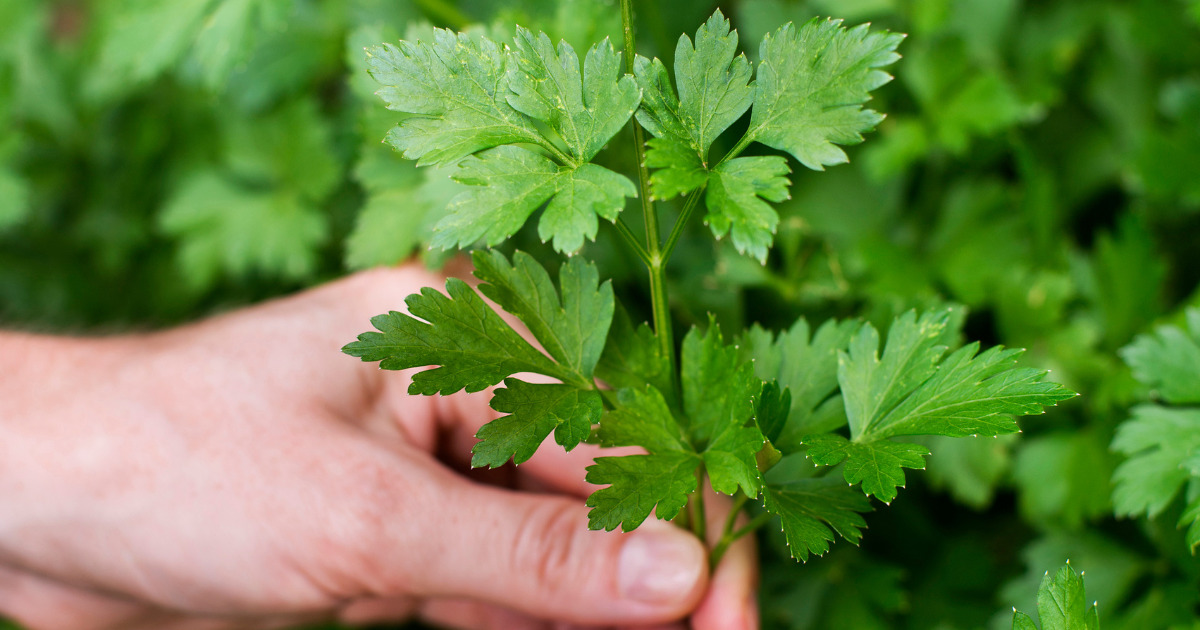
[{"x": 805, "y": 425}]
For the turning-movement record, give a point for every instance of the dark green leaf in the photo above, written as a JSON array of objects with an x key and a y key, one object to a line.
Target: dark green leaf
[
  {"x": 643, "y": 419},
  {"x": 718, "y": 388},
  {"x": 534, "y": 411},
  {"x": 473, "y": 346},
  {"x": 637, "y": 485},
  {"x": 879, "y": 465},
  {"x": 811, "y": 508},
  {"x": 633, "y": 357},
  {"x": 734, "y": 203},
  {"x": 713, "y": 93},
  {"x": 572, "y": 328}
]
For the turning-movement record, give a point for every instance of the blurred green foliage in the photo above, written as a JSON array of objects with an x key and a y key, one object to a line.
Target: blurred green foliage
[{"x": 1040, "y": 164}]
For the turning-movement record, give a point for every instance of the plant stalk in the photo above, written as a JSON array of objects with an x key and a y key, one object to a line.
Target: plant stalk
[
  {"x": 727, "y": 539},
  {"x": 656, "y": 261},
  {"x": 689, "y": 206}
]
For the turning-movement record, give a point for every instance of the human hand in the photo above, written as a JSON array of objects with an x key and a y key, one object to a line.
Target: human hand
[{"x": 242, "y": 473}]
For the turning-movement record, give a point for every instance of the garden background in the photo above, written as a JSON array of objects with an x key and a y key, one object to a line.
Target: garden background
[{"x": 1040, "y": 164}]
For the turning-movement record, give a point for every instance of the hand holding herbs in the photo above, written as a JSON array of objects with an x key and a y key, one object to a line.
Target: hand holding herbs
[
  {"x": 802, "y": 427},
  {"x": 232, "y": 474}
]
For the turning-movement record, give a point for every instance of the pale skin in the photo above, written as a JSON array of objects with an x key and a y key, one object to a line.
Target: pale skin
[{"x": 241, "y": 472}]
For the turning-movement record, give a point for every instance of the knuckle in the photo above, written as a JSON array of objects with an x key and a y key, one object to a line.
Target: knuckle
[{"x": 547, "y": 546}]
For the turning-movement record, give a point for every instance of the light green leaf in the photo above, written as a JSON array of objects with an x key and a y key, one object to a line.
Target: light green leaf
[
  {"x": 534, "y": 411},
  {"x": 637, "y": 485},
  {"x": 507, "y": 184},
  {"x": 457, "y": 87},
  {"x": 811, "y": 85},
  {"x": 584, "y": 110},
  {"x": 1168, "y": 361},
  {"x": 1021, "y": 621},
  {"x": 225, "y": 39},
  {"x": 291, "y": 147},
  {"x": 713, "y": 93},
  {"x": 142, "y": 39},
  {"x": 223, "y": 228},
  {"x": 813, "y": 509},
  {"x": 388, "y": 229},
  {"x": 879, "y": 465},
  {"x": 734, "y": 203},
  {"x": 583, "y": 194},
  {"x": 1061, "y": 478},
  {"x": 1157, "y": 441},
  {"x": 473, "y": 346},
  {"x": 572, "y": 328}
]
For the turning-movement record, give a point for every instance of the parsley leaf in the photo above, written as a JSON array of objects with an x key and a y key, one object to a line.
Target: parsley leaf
[
  {"x": 633, "y": 356},
  {"x": 718, "y": 400},
  {"x": 878, "y": 466},
  {"x": 457, "y": 87},
  {"x": 534, "y": 410},
  {"x": 718, "y": 388},
  {"x": 1169, "y": 361},
  {"x": 805, "y": 363},
  {"x": 714, "y": 92},
  {"x": 572, "y": 328},
  {"x": 813, "y": 509},
  {"x": 584, "y": 110},
  {"x": 1162, "y": 441},
  {"x": 475, "y": 349},
  {"x": 913, "y": 390},
  {"x": 734, "y": 203},
  {"x": 506, "y": 184},
  {"x": 1062, "y": 604},
  {"x": 811, "y": 84},
  {"x": 473, "y": 346},
  {"x": 1157, "y": 441},
  {"x": 639, "y": 484},
  {"x": 642, "y": 418}
]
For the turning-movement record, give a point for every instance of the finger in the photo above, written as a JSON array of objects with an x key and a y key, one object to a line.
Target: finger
[
  {"x": 39, "y": 603},
  {"x": 556, "y": 470},
  {"x": 731, "y": 602},
  {"x": 534, "y": 553},
  {"x": 476, "y": 615}
]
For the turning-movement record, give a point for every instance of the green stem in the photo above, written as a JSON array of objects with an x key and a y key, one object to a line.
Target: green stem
[
  {"x": 689, "y": 206},
  {"x": 737, "y": 149},
  {"x": 632, "y": 241},
  {"x": 729, "y": 538},
  {"x": 655, "y": 261},
  {"x": 558, "y": 154}
]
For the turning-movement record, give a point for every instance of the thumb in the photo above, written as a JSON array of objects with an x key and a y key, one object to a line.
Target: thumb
[{"x": 534, "y": 553}]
